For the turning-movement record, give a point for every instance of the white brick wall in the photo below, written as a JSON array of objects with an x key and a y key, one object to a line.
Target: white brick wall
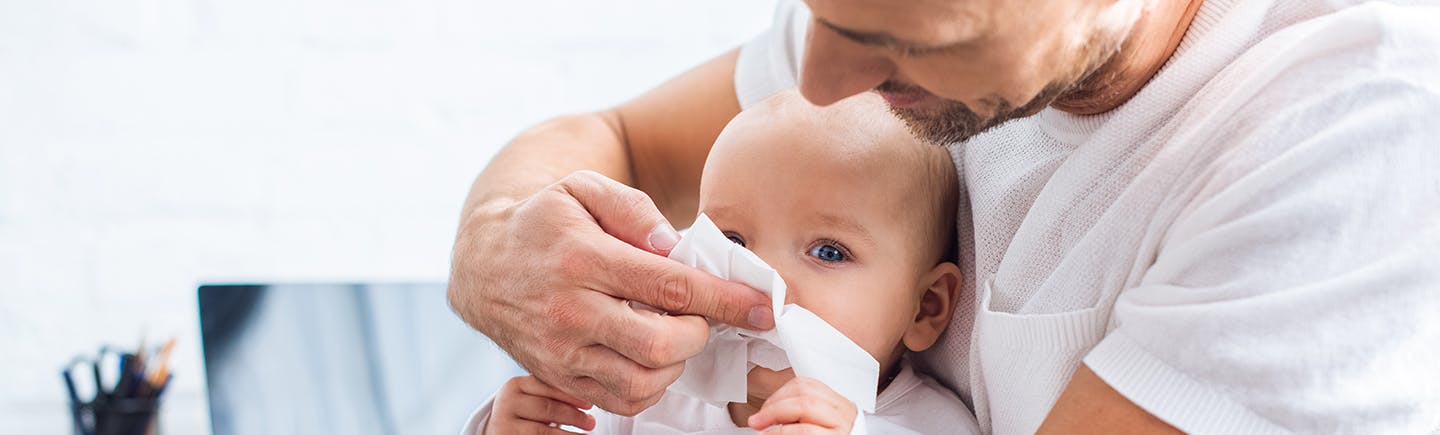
[{"x": 147, "y": 145}]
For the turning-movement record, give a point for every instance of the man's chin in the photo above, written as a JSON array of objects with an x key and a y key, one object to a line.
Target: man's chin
[
  {"x": 940, "y": 126},
  {"x": 943, "y": 122}
]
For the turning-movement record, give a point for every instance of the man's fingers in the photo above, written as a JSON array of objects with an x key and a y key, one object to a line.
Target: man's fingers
[
  {"x": 622, "y": 211},
  {"x": 680, "y": 289},
  {"x": 652, "y": 339},
  {"x": 630, "y": 218},
  {"x": 617, "y": 384},
  {"x": 653, "y": 350},
  {"x": 623, "y": 378},
  {"x": 614, "y": 404}
]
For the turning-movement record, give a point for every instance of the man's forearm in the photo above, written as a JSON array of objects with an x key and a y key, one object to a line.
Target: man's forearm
[
  {"x": 550, "y": 151},
  {"x": 656, "y": 143}
]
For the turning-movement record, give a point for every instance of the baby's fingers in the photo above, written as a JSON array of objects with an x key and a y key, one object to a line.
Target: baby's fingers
[
  {"x": 544, "y": 410},
  {"x": 805, "y": 402},
  {"x": 526, "y": 427},
  {"x": 794, "y": 410},
  {"x": 535, "y": 387},
  {"x": 798, "y": 429}
]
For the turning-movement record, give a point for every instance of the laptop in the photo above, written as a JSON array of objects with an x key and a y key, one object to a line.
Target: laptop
[{"x": 342, "y": 358}]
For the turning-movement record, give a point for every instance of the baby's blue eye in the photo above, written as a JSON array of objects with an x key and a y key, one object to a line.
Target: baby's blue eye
[
  {"x": 828, "y": 253},
  {"x": 736, "y": 239}
]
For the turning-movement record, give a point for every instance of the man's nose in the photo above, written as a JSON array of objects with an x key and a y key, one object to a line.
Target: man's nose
[{"x": 836, "y": 67}]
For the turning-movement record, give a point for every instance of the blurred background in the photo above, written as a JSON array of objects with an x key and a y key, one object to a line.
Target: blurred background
[{"x": 147, "y": 146}]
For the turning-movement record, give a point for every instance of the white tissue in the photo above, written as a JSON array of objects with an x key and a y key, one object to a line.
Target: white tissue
[{"x": 800, "y": 339}]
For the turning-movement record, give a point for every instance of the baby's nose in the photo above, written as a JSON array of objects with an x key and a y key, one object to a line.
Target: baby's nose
[{"x": 790, "y": 297}]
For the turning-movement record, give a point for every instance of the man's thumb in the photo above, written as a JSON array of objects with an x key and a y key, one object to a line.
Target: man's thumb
[{"x": 622, "y": 211}]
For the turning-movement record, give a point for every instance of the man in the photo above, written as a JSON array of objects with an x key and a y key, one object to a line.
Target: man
[{"x": 1211, "y": 216}]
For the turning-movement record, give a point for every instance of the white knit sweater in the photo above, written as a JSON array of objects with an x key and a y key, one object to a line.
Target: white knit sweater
[{"x": 1249, "y": 245}]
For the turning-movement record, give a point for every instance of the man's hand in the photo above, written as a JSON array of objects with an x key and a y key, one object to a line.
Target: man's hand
[
  {"x": 525, "y": 405},
  {"x": 805, "y": 406},
  {"x": 547, "y": 279}
]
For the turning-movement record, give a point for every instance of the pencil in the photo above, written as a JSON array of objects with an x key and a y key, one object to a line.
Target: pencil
[{"x": 162, "y": 364}]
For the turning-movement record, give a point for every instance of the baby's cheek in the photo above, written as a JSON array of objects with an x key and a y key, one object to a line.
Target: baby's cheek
[
  {"x": 875, "y": 326},
  {"x": 869, "y": 313}
]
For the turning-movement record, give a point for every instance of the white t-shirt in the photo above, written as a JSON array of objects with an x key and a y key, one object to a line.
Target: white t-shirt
[
  {"x": 1251, "y": 244},
  {"x": 912, "y": 403}
]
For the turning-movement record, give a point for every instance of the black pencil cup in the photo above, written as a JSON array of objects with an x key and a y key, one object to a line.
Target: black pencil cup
[{"x": 118, "y": 417}]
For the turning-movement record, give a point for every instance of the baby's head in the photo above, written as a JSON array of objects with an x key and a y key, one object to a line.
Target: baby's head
[{"x": 854, "y": 213}]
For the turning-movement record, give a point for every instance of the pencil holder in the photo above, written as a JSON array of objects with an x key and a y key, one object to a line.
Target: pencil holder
[
  {"x": 126, "y": 405},
  {"x": 118, "y": 417},
  {"x": 128, "y": 417}
]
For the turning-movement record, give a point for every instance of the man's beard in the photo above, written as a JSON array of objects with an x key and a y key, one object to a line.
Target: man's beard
[{"x": 954, "y": 122}]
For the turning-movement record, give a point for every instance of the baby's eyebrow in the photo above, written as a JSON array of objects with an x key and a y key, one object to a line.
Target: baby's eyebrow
[
  {"x": 847, "y": 225},
  {"x": 722, "y": 211}
]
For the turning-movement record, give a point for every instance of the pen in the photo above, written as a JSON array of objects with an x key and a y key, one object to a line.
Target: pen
[{"x": 129, "y": 367}]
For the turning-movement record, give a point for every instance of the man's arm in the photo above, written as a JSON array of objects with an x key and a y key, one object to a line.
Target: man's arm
[
  {"x": 546, "y": 257},
  {"x": 1089, "y": 406},
  {"x": 656, "y": 143}
]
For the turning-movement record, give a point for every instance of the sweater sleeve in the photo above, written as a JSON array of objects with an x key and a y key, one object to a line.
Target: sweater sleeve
[{"x": 771, "y": 62}]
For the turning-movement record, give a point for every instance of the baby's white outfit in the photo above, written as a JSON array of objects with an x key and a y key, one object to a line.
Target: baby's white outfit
[{"x": 912, "y": 403}]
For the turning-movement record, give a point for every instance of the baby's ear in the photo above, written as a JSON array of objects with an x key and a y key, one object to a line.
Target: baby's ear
[{"x": 937, "y": 302}]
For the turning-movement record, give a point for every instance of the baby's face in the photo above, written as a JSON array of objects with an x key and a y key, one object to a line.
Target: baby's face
[{"x": 839, "y": 222}]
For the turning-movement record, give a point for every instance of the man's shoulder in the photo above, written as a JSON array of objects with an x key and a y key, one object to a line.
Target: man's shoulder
[
  {"x": 1361, "y": 45},
  {"x": 1364, "y": 76},
  {"x": 1401, "y": 35}
]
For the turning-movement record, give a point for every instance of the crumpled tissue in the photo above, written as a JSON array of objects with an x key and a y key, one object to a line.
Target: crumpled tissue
[{"x": 800, "y": 340}]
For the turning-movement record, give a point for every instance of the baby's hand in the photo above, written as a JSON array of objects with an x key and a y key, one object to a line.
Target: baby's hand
[
  {"x": 527, "y": 406},
  {"x": 805, "y": 405}
]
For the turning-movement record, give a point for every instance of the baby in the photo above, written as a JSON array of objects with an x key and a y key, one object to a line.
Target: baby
[{"x": 857, "y": 216}]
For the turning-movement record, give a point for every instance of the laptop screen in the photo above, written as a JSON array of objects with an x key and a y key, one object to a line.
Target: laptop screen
[{"x": 342, "y": 358}]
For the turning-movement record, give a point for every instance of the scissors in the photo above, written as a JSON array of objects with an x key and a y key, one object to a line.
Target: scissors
[{"x": 83, "y": 411}]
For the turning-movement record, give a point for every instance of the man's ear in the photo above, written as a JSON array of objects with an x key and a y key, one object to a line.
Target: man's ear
[{"x": 937, "y": 302}]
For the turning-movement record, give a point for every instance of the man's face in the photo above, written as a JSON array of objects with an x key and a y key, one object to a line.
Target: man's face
[{"x": 953, "y": 68}]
